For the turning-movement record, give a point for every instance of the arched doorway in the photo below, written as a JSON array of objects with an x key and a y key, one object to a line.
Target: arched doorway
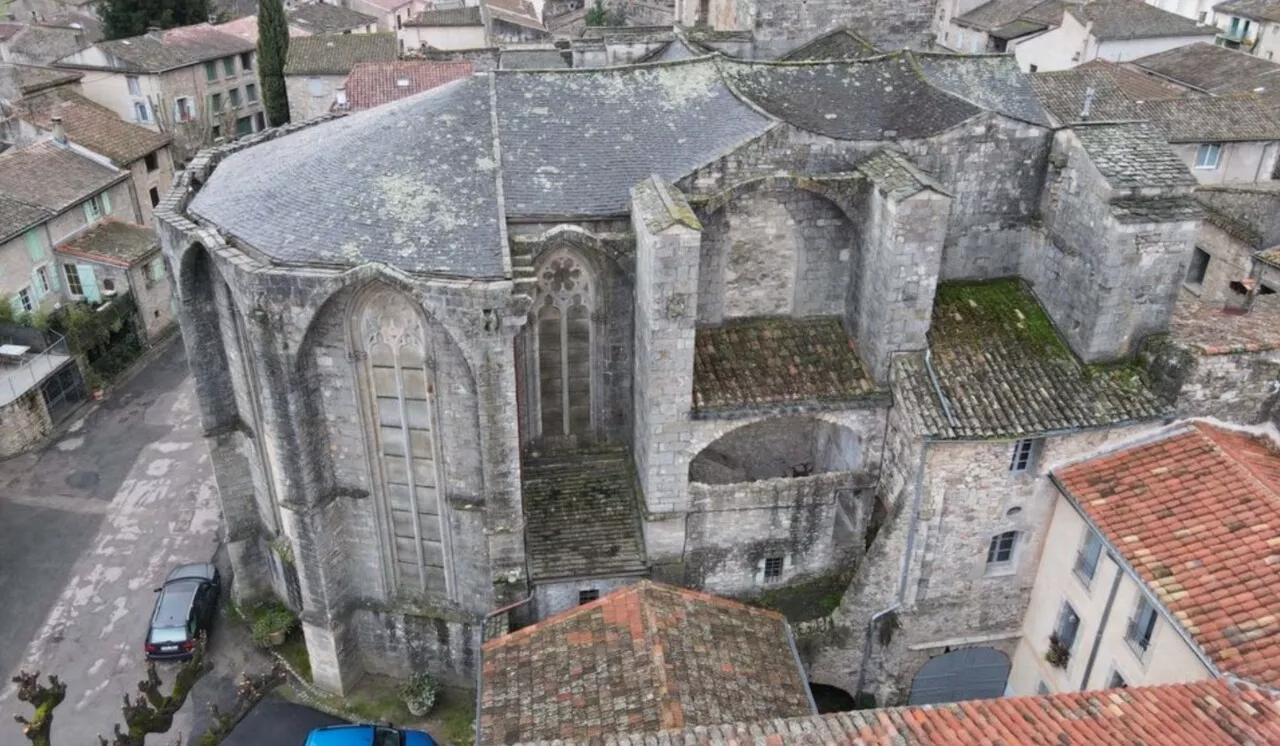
[{"x": 971, "y": 673}]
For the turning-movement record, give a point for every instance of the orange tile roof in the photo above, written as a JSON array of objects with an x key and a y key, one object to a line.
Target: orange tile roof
[
  {"x": 373, "y": 84},
  {"x": 1204, "y": 713},
  {"x": 646, "y": 657},
  {"x": 1197, "y": 515}
]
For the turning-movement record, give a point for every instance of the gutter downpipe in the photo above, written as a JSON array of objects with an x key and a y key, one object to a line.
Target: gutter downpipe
[{"x": 1102, "y": 624}]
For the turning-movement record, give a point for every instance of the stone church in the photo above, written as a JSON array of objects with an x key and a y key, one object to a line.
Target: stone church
[{"x": 740, "y": 326}]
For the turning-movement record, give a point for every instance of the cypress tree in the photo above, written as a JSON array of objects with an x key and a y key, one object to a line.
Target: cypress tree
[{"x": 273, "y": 47}]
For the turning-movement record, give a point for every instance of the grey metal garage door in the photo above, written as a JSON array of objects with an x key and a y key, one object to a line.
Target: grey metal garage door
[{"x": 972, "y": 673}]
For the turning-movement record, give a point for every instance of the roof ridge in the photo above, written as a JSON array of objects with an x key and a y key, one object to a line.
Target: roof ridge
[
  {"x": 1202, "y": 426},
  {"x": 524, "y": 632}
]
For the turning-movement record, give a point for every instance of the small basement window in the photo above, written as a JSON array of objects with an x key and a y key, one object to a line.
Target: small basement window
[
  {"x": 773, "y": 568},
  {"x": 588, "y": 595}
]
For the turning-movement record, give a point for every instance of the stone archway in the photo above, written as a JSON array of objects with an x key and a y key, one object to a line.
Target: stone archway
[
  {"x": 777, "y": 447},
  {"x": 970, "y": 673}
]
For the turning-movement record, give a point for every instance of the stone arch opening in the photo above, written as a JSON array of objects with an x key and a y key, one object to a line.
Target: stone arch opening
[
  {"x": 775, "y": 247},
  {"x": 969, "y": 673},
  {"x": 395, "y": 360},
  {"x": 562, "y": 359},
  {"x": 777, "y": 448},
  {"x": 830, "y": 699}
]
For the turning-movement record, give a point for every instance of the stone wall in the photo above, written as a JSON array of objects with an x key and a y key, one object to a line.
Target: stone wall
[
  {"x": 23, "y": 423},
  {"x": 1230, "y": 260},
  {"x": 1232, "y": 384},
  {"x": 154, "y": 297},
  {"x": 554, "y": 597}
]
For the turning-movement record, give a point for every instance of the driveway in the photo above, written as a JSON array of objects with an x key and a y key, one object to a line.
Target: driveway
[
  {"x": 88, "y": 528},
  {"x": 278, "y": 722}
]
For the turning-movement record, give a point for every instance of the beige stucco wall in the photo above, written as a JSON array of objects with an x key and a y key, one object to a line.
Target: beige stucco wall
[
  {"x": 144, "y": 181},
  {"x": 442, "y": 37},
  {"x": 1061, "y": 48},
  {"x": 1169, "y": 659},
  {"x": 387, "y": 15},
  {"x": 303, "y": 105},
  {"x": 1238, "y": 161},
  {"x": 71, "y": 221},
  {"x": 16, "y": 267},
  {"x": 154, "y": 299}
]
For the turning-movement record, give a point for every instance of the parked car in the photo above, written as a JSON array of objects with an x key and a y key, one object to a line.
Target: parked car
[
  {"x": 184, "y": 608},
  {"x": 367, "y": 735}
]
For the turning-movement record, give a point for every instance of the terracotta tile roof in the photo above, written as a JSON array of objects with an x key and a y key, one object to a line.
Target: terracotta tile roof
[
  {"x": 91, "y": 125},
  {"x": 178, "y": 47},
  {"x": 452, "y": 17},
  {"x": 648, "y": 657},
  {"x": 53, "y": 177},
  {"x": 32, "y": 78},
  {"x": 770, "y": 362},
  {"x": 247, "y": 28},
  {"x": 1138, "y": 85},
  {"x": 1205, "y": 328},
  {"x": 1204, "y": 713},
  {"x": 337, "y": 54},
  {"x": 327, "y": 18},
  {"x": 1234, "y": 117},
  {"x": 113, "y": 242},
  {"x": 1197, "y": 515},
  {"x": 581, "y": 515},
  {"x": 1212, "y": 68},
  {"x": 373, "y": 84}
]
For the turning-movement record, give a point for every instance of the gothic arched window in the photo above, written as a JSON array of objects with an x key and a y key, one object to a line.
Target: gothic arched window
[
  {"x": 562, "y": 311},
  {"x": 399, "y": 372}
]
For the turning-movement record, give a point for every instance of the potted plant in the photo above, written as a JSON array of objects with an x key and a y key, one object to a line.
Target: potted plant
[
  {"x": 273, "y": 624},
  {"x": 1058, "y": 654},
  {"x": 94, "y": 382},
  {"x": 419, "y": 693}
]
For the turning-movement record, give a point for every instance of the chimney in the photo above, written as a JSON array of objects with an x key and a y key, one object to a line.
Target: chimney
[
  {"x": 1088, "y": 104},
  {"x": 59, "y": 132},
  {"x": 340, "y": 97},
  {"x": 154, "y": 32}
]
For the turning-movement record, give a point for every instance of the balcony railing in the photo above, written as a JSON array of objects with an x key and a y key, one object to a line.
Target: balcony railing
[{"x": 17, "y": 379}]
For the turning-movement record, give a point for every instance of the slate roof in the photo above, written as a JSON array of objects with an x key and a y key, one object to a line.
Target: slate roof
[
  {"x": 1063, "y": 94},
  {"x": 113, "y": 242},
  {"x": 337, "y": 54},
  {"x": 1258, "y": 10},
  {"x": 1196, "y": 515},
  {"x": 837, "y": 44},
  {"x": 1048, "y": 13},
  {"x": 327, "y": 18},
  {"x": 575, "y": 141},
  {"x": 1226, "y": 118},
  {"x": 993, "y": 82},
  {"x": 1204, "y": 713},
  {"x": 766, "y": 363},
  {"x": 1212, "y": 68},
  {"x": 53, "y": 177},
  {"x": 996, "y": 13},
  {"x": 33, "y": 78},
  {"x": 581, "y": 515},
  {"x": 424, "y": 202},
  {"x": 181, "y": 47},
  {"x": 648, "y": 657},
  {"x": 1006, "y": 373},
  {"x": 373, "y": 84},
  {"x": 91, "y": 125},
  {"x": 16, "y": 217},
  {"x": 1132, "y": 155},
  {"x": 1138, "y": 85},
  {"x": 466, "y": 16},
  {"x": 673, "y": 51},
  {"x": 1134, "y": 19},
  {"x": 46, "y": 44}
]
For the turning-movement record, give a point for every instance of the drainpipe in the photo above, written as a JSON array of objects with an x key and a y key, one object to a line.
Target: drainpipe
[
  {"x": 917, "y": 499},
  {"x": 1102, "y": 625}
]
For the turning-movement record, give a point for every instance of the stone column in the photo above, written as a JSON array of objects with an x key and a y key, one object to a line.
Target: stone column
[{"x": 668, "y": 244}]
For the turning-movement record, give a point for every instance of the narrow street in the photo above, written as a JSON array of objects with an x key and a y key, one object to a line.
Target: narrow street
[{"x": 88, "y": 527}]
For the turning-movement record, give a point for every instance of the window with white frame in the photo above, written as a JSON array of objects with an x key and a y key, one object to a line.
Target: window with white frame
[
  {"x": 140, "y": 111},
  {"x": 1024, "y": 453},
  {"x": 43, "y": 285},
  {"x": 182, "y": 109},
  {"x": 1142, "y": 627},
  {"x": 95, "y": 208},
  {"x": 135, "y": 85},
  {"x": 1087, "y": 556},
  {"x": 73, "y": 280},
  {"x": 1207, "y": 156},
  {"x": 1001, "y": 550},
  {"x": 1067, "y": 626},
  {"x": 24, "y": 298}
]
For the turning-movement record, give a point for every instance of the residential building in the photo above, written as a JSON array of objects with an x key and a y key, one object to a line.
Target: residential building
[
  {"x": 1228, "y": 138},
  {"x": 513, "y": 21},
  {"x": 490, "y": 23},
  {"x": 38, "y": 44},
  {"x": 373, "y": 84},
  {"x": 318, "y": 66},
  {"x": 1210, "y": 68},
  {"x": 1252, "y": 26},
  {"x": 144, "y": 153},
  {"x": 305, "y": 20},
  {"x": 1157, "y": 566},
  {"x": 719, "y": 661},
  {"x": 126, "y": 258},
  {"x": 1200, "y": 11},
  {"x": 1236, "y": 263},
  {"x": 390, "y": 15},
  {"x": 194, "y": 83},
  {"x": 1115, "y": 30}
]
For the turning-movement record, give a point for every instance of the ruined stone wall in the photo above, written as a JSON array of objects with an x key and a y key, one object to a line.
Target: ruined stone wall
[
  {"x": 1235, "y": 385},
  {"x": 1230, "y": 259},
  {"x": 23, "y": 423},
  {"x": 993, "y": 167},
  {"x": 774, "y": 252}
]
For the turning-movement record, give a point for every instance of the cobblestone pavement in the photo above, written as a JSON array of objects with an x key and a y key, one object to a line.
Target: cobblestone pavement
[{"x": 88, "y": 527}]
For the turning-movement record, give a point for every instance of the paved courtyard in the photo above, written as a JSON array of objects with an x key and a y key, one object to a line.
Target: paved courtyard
[{"x": 88, "y": 528}]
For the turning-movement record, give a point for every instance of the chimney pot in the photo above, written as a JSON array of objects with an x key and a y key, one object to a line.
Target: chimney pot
[{"x": 59, "y": 132}]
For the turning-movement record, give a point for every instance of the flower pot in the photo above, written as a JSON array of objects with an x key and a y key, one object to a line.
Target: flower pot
[
  {"x": 276, "y": 638},
  {"x": 97, "y": 394}
]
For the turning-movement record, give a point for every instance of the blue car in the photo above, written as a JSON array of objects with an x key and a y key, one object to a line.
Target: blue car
[{"x": 367, "y": 735}]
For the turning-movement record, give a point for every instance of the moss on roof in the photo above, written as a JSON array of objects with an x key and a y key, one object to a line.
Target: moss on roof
[{"x": 969, "y": 313}]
